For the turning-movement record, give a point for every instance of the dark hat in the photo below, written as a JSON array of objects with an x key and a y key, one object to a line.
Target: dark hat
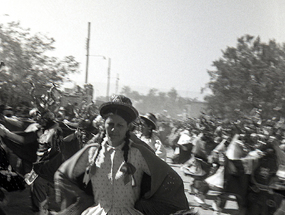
[
  {"x": 151, "y": 119},
  {"x": 120, "y": 105},
  {"x": 87, "y": 125}
]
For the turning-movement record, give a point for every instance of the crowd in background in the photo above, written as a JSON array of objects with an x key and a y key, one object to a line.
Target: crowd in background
[{"x": 219, "y": 154}]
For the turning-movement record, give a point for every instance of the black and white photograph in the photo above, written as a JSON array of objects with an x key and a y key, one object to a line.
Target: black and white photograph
[{"x": 142, "y": 107}]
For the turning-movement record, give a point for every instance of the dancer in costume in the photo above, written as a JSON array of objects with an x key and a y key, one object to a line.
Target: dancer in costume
[
  {"x": 126, "y": 177},
  {"x": 147, "y": 134}
]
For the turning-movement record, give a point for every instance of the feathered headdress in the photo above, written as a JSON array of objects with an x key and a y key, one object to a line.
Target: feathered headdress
[{"x": 46, "y": 103}]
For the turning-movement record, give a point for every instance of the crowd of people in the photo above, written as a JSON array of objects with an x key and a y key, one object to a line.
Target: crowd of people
[
  {"x": 241, "y": 158},
  {"x": 104, "y": 160},
  {"x": 113, "y": 160}
]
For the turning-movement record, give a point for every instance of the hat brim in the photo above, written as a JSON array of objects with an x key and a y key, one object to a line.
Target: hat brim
[
  {"x": 112, "y": 107},
  {"x": 148, "y": 119}
]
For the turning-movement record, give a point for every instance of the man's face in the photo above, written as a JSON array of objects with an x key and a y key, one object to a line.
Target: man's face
[
  {"x": 116, "y": 129},
  {"x": 145, "y": 129}
]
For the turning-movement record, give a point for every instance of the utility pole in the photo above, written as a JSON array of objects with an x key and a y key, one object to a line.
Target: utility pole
[
  {"x": 108, "y": 81},
  {"x": 117, "y": 83},
  {"x": 87, "y": 54}
]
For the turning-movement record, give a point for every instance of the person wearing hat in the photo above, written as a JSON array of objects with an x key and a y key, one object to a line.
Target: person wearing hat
[
  {"x": 147, "y": 134},
  {"x": 119, "y": 175},
  {"x": 36, "y": 146},
  {"x": 6, "y": 110},
  {"x": 61, "y": 114}
]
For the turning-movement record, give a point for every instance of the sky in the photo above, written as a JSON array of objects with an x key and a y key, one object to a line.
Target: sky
[{"x": 161, "y": 44}]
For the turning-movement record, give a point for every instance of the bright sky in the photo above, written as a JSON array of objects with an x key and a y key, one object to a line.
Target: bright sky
[{"x": 160, "y": 44}]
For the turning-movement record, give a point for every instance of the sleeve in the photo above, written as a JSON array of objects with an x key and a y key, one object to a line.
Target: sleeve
[
  {"x": 81, "y": 164},
  {"x": 72, "y": 198},
  {"x": 26, "y": 138}
]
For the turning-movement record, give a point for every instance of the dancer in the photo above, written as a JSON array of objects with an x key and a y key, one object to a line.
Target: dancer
[{"x": 126, "y": 177}]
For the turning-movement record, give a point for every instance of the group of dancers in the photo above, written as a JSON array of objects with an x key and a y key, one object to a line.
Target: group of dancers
[{"x": 111, "y": 160}]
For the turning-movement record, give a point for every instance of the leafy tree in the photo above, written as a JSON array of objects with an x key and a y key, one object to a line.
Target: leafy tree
[
  {"x": 157, "y": 102},
  {"x": 129, "y": 93},
  {"x": 126, "y": 90},
  {"x": 248, "y": 77},
  {"x": 27, "y": 58},
  {"x": 172, "y": 94}
]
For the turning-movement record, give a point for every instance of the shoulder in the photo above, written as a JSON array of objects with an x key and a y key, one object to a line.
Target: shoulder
[
  {"x": 89, "y": 149},
  {"x": 148, "y": 154},
  {"x": 83, "y": 154},
  {"x": 142, "y": 147},
  {"x": 92, "y": 150},
  {"x": 91, "y": 146},
  {"x": 155, "y": 137}
]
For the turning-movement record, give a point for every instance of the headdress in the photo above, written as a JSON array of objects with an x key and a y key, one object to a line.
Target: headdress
[{"x": 48, "y": 103}]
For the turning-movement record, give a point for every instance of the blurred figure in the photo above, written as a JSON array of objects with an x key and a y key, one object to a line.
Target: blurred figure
[
  {"x": 148, "y": 135},
  {"x": 46, "y": 135},
  {"x": 6, "y": 110},
  {"x": 185, "y": 146},
  {"x": 71, "y": 112},
  {"x": 61, "y": 114}
]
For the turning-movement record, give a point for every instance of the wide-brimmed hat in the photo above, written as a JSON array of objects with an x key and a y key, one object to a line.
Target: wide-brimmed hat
[
  {"x": 120, "y": 105},
  {"x": 150, "y": 118}
]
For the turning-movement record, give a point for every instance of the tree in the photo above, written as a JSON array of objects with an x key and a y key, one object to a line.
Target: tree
[
  {"x": 28, "y": 59},
  {"x": 248, "y": 76},
  {"x": 129, "y": 93},
  {"x": 158, "y": 102},
  {"x": 172, "y": 94},
  {"x": 126, "y": 90}
]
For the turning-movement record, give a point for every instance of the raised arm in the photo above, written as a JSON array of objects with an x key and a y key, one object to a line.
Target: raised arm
[{"x": 19, "y": 139}]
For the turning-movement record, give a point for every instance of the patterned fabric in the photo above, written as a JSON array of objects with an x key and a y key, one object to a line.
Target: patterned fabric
[
  {"x": 111, "y": 195},
  {"x": 161, "y": 193}
]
